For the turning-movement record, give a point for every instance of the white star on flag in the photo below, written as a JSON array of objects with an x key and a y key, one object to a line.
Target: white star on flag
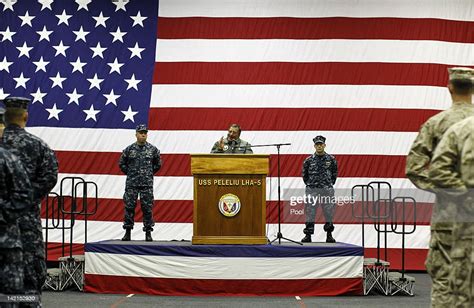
[
  {"x": 63, "y": 18},
  {"x": 60, "y": 49},
  {"x": 26, "y": 19},
  {"x": 57, "y": 81},
  {"x": 95, "y": 82},
  {"x": 132, "y": 82},
  {"x": 91, "y": 113},
  {"x": 83, "y": 4},
  {"x": 118, "y": 35},
  {"x": 136, "y": 51},
  {"x": 111, "y": 98},
  {"x": 8, "y": 4},
  {"x": 77, "y": 66},
  {"x": 7, "y": 35},
  {"x": 80, "y": 35},
  {"x": 120, "y": 4},
  {"x": 21, "y": 81},
  {"x": 129, "y": 114},
  {"x": 115, "y": 66},
  {"x": 74, "y": 97},
  {"x": 24, "y": 50},
  {"x": 38, "y": 96},
  {"x": 41, "y": 65},
  {"x": 138, "y": 20},
  {"x": 100, "y": 20},
  {"x": 3, "y": 95},
  {"x": 44, "y": 34},
  {"x": 46, "y": 4},
  {"x": 4, "y": 65},
  {"x": 54, "y": 112},
  {"x": 98, "y": 50}
]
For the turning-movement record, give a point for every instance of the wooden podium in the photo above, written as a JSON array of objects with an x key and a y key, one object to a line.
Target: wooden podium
[{"x": 229, "y": 198}]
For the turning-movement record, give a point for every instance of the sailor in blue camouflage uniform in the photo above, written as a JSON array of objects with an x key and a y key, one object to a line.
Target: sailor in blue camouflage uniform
[
  {"x": 139, "y": 161},
  {"x": 319, "y": 175},
  {"x": 41, "y": 166},
  {"x": 15, "y": 200}
]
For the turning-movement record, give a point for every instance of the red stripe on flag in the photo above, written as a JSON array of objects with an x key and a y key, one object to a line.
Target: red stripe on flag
[
  {"x": 222, "y": 287},
  {"x": 181, "y": 211},
  {"x": 315, "y": 28},
  {"x": 290, "y": 119},
  {"x": 300, "y": 73},
  {"x": 370, "y": 166}
]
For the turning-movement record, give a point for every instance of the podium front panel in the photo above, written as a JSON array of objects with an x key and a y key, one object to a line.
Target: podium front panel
[{"x": 229, "y": 208}]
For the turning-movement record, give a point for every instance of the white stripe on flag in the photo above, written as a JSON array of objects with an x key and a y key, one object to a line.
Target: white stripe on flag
[
  {"x": 178, "y": 267},
  {"x": 453, "y": 9},
  {"x": 199, "y": 141},
  {"x": 387, "y": 51},
  {"x": 299, "y": 96}
]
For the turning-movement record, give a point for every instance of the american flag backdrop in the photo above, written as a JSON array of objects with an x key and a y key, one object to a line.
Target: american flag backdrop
[{"x": 365, "y": 74}]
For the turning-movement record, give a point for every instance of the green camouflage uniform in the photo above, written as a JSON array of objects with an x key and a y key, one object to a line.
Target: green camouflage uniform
[
  {"x": 237, "y": 146},
  {"x": 452, "y": 170},
  {"x": 418, "y": 161}
]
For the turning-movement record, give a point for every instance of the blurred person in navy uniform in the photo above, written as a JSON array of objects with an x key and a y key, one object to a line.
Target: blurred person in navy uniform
[
  {"x": 2, "y": 121},
  {"x": 41, "y": 166},
  {"x": 139, "y": 161},
  {"x": 15, "y": 201},
  {"x": 319, "y": 176},
  {"x": 232, "y": 143}
]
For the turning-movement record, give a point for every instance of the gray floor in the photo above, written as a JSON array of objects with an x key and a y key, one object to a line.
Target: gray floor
[{"x": 78, "y": 299}]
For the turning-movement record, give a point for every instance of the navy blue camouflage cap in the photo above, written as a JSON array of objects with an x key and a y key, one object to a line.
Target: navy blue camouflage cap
[
  {"x": 319, "y": 139},
  {"x": 16, "y": 102},
  {"x": 141, "y": 128}
]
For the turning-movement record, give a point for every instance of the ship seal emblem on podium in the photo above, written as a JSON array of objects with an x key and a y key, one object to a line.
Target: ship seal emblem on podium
[{"x": 229, "y": 205}]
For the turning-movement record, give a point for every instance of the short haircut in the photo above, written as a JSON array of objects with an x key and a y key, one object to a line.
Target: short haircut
[
  {"x": 14, "y": 115},
  {"x": 236, "y": 126},
  {"x": 462, "y": 86}
]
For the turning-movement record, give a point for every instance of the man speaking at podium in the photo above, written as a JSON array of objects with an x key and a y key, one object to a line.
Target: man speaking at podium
[{"x": 232, "y": 144}]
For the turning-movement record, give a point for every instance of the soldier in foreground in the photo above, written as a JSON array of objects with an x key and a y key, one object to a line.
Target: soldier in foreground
[
  {"x": 232, "y": 144},
  {"x": 452, "y": 171},
  {"x": 418, "y": 161},
  {"x": 15, "y": 201},
  {"x": 319, "y": 176},
  {"x": 139, "y": 161},
  {"x": 41, "y": 166}
]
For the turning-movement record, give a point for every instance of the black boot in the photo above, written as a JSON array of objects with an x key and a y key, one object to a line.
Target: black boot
[
  {"x": 329, "y": 238},
  {"x": 306, "y": 239},
  {"x": 148, "y": 237},
  {"x": 127, "y": 236}
]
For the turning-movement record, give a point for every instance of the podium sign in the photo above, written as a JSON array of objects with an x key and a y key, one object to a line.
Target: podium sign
[{"x": 229, "y": 198}]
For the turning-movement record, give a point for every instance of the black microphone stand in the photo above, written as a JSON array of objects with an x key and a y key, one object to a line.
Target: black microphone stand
[{"x": 279, "y": 235}]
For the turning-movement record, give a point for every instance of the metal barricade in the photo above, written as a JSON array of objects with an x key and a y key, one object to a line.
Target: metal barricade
[{"x": 71, "y": 267}]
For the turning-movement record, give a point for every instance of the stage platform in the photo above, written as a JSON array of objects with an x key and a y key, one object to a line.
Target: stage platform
[{"x": 179, "y": 268}]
